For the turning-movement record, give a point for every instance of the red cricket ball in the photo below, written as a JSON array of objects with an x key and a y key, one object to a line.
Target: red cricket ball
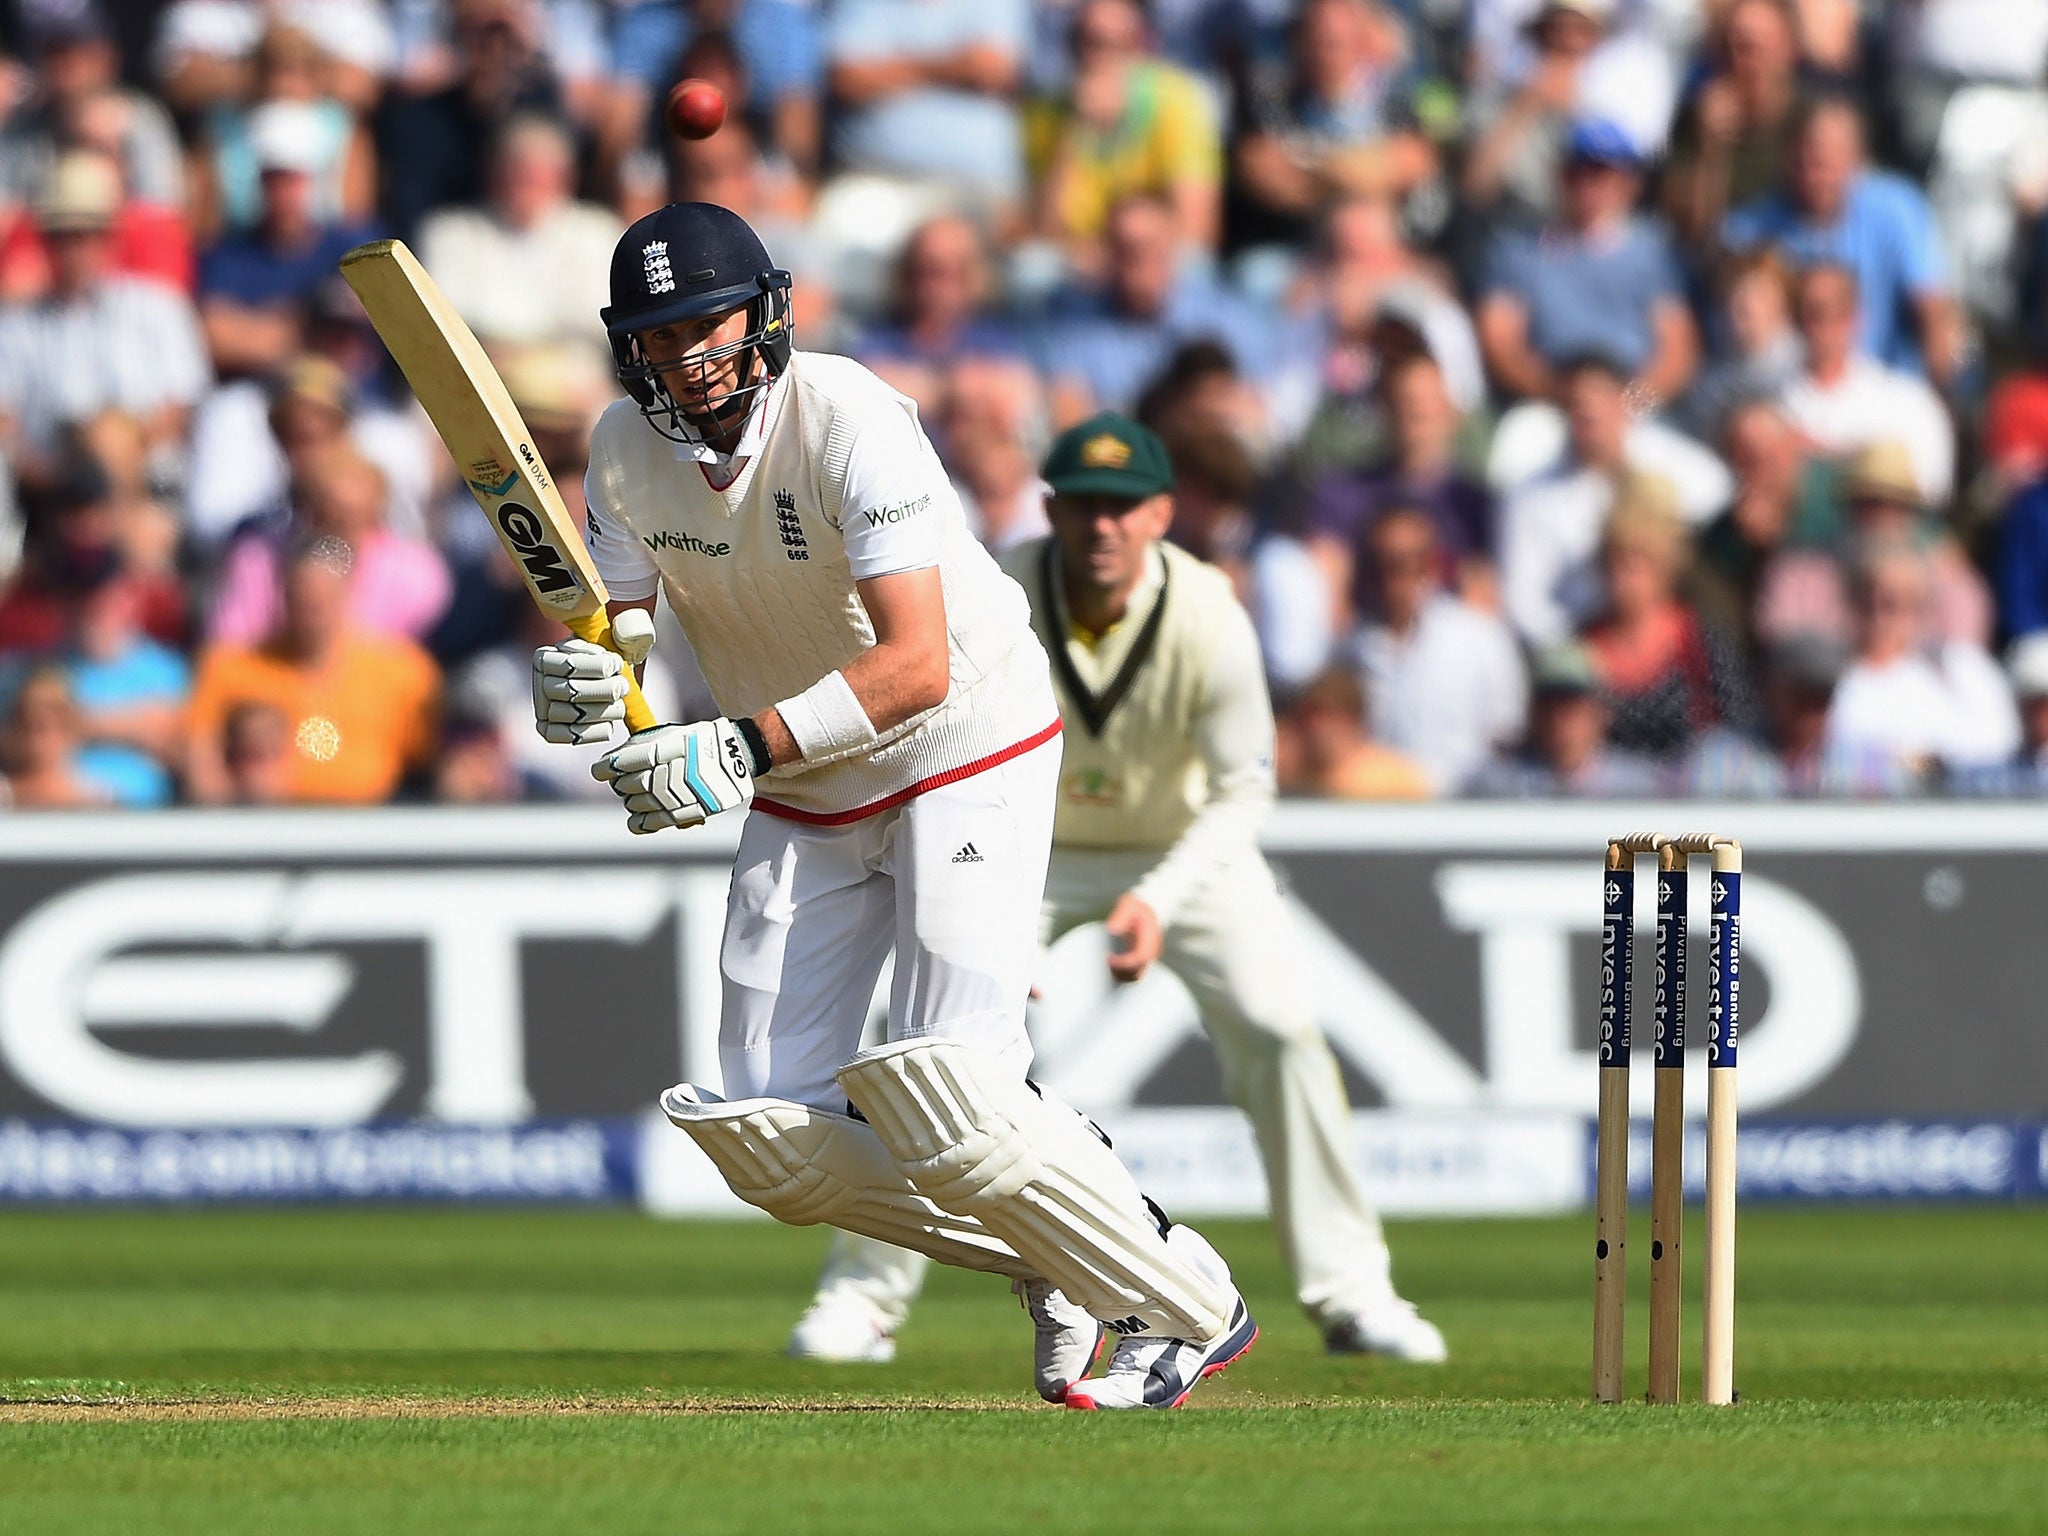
[{"x": 696, "y": 108}]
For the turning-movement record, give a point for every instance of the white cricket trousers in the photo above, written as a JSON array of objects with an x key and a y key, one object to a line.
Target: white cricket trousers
[
  {"x": 1233, "y": 946},
  {"x": 951, "y": 878}
]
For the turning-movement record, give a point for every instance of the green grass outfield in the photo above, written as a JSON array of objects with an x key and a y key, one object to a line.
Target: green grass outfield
[{"x": 455, "y": 1372}]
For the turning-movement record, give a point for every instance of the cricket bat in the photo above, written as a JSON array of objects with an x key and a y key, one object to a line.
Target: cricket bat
[{"x": 468, "y": 405}]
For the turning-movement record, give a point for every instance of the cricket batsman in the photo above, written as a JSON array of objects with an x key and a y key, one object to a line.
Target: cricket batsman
[
  {"x": 889, "y": 717},
  {"x": 1168, "y": 776}
]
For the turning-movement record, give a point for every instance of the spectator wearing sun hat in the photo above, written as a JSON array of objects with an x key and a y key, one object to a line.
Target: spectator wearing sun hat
[
  {"x": 150, "y": 234},
  {"x": 98, "y": 342},
  {"x": 1881, "y": 502},
  {"x": 1881, "y": 499}
]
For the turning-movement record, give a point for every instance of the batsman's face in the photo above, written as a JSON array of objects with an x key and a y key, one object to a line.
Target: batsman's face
[
  {"x": 1103, "y": 539},
  {"x": 696, "y": 359}
]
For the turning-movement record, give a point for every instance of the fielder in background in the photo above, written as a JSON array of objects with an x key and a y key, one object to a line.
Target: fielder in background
[
  {"x": 890, "y": 720},
  {"x": 1167, "y": 779}
]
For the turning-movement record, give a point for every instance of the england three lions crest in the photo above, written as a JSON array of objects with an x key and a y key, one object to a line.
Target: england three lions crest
[
  {"x": 790, "y": 527},
  {"x": 661, "y": 278}
]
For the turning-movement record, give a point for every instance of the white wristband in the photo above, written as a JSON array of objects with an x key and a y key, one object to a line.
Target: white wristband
[{"x": 827, "y": 719}]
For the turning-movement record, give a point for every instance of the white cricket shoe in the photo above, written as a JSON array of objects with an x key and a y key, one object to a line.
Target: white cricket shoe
[
  {"x": 844, "y": 1328},
  {"x": 1394, "y": 1329},
  {"x": 1151, "y": 1372},
  {"x": 1068, "y": 1338}
]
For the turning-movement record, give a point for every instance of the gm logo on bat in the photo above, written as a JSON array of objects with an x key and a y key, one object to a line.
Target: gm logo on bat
[{"x": 546, "y": 570}]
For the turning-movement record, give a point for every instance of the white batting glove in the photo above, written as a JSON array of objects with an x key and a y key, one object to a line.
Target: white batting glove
[
  {"x": 579, "y": 689},
  {"x": 679, "y": 775}
]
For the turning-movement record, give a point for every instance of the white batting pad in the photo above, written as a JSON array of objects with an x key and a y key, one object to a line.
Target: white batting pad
[
  {"x": 804, "y": 1166},
  {"x": 982, "y": 1143}
]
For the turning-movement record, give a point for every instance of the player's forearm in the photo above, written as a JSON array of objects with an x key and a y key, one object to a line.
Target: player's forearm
[
  {"x": 898, "y": 681},
  {"x": 887, "y": 683}
]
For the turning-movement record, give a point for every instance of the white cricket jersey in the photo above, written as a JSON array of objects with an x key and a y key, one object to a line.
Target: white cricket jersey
[
  {"x": 1169, "y": 743},
  {"x": 838, "y": 484}
]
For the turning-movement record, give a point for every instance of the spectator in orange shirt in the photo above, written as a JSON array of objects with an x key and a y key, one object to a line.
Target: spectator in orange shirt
[{"x": 362, "y": 707}]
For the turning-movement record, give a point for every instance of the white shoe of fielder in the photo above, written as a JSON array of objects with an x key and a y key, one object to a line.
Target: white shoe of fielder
[
  {"x": 1151, "y": 1372},
  {"x": 1393, "y": 1329},
  {"x": 843, "y": 1328},
  {"x": 1068, "y": 1338}
]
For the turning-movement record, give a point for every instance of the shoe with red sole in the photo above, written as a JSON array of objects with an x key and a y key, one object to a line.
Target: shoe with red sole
[
  {"x": 1147, "y": 1371},
  {"x": 1068, "y": 1338}
]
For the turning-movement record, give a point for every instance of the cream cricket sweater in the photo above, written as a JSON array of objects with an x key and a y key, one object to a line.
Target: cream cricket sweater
[
  {"x": 758, "y": 575},
  {"x": 1169, "y": 733}
]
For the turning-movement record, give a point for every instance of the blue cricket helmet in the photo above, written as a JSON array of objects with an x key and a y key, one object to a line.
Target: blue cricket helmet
[{"x": 682, "y": 262}]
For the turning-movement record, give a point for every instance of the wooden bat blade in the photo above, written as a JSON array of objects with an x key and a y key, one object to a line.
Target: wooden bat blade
[{"x": 482, "y": 430}]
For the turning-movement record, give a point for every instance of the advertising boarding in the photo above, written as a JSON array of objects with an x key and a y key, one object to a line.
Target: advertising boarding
[{"x": 384, "y": 1005}]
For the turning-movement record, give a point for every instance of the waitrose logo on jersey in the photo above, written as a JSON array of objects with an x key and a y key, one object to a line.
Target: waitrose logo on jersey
[
  {"x": 877, "y": 516},
  {"x": 688, "y": 543}
]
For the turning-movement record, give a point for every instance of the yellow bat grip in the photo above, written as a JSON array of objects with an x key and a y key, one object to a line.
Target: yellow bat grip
[{"x": 596, "y": 627}]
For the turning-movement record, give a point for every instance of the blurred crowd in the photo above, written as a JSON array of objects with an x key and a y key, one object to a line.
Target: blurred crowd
[{"x": 1588, "y": 397}]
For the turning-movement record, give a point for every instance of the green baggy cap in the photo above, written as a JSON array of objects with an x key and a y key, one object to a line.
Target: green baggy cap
[{"x": 1108, "y": 455}]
